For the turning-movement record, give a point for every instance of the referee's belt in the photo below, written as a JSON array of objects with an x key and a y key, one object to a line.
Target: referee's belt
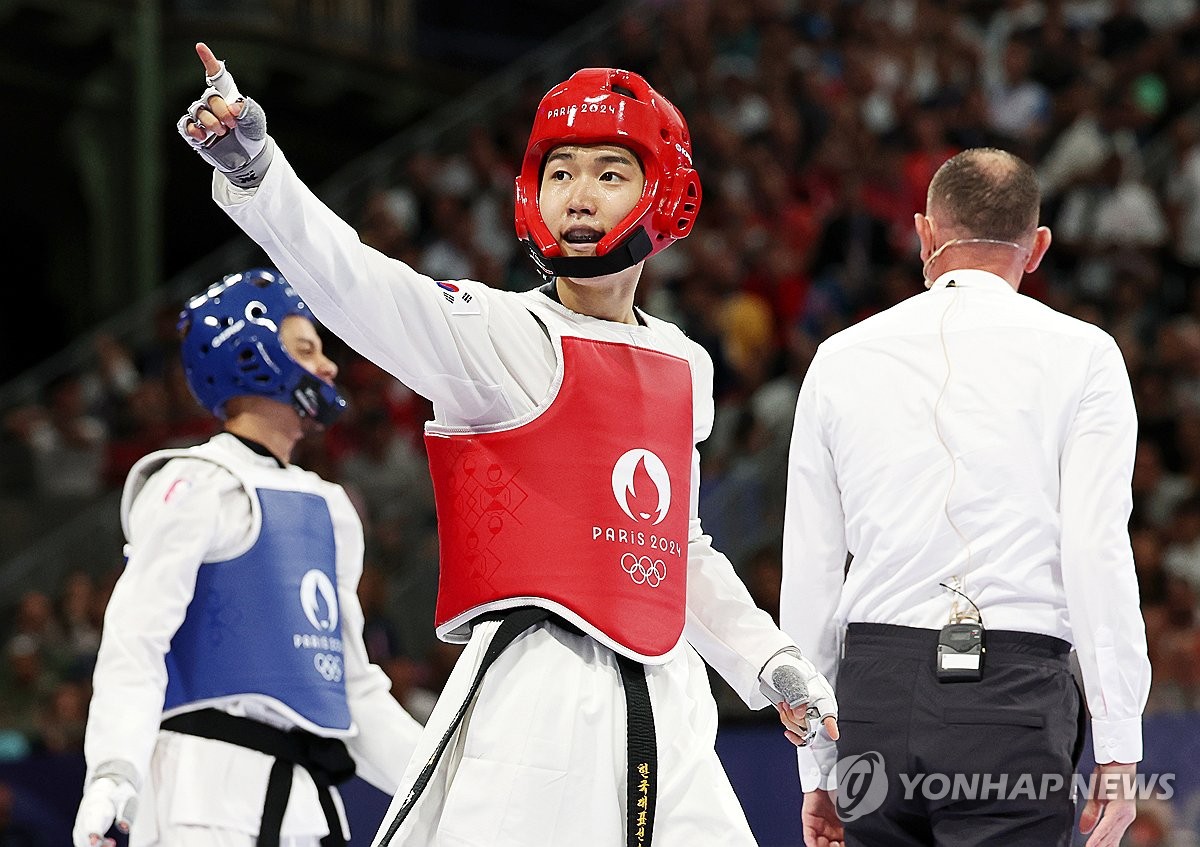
[
  {"x": 918, "y": 641},
  {"x": 325, "y": 759}
]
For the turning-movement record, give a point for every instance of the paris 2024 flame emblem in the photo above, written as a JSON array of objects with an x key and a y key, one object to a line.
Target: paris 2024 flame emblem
[{"x": 642, "y": 487}]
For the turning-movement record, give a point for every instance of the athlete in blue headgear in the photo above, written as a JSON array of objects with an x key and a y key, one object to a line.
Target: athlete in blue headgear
[{"x": 232, "y": 690}]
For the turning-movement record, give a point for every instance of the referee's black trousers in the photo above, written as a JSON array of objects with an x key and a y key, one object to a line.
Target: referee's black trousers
[{"x": 956, "y": 755}]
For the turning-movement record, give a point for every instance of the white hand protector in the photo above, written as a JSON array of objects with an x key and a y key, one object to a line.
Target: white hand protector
[
  {"x": 110, "y": 797},
  {"x": 789, "y": 678},
  {"x": 244, "y": 152}
]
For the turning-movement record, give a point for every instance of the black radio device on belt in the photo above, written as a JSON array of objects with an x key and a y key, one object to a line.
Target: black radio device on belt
[
  {"x": 961, "y": 646},
  {"x": 960, "y": 652}
]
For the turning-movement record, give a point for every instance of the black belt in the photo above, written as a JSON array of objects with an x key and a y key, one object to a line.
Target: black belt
[
  {"x": 999, "y": 642},
  {"x": 326, "y": 759},
  {"x": 641, "y": 750},
  {"x": 641, "y": 754}
]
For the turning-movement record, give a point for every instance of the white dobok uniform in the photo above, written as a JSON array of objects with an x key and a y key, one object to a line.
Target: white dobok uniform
[
  {"x": 541, "y": 757},
  {"x": 191, "y": 511}
]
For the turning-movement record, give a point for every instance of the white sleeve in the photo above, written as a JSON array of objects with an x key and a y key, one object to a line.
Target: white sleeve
[
  {"x": 402, "y": 320},
  {"x": 387, "y": 734},
  {"x": 1097, "y": 559},
  {"x": 173, "y": 525},
  {"x": 723, "y": 624},
  {"x": 814, "y": 557}
]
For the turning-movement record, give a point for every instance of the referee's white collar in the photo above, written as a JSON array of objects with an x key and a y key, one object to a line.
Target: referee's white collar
[{"x": 971, "y": 278}]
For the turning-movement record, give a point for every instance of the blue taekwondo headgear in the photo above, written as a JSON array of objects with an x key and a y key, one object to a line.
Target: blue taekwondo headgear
[{"x": 231, "y": 347}]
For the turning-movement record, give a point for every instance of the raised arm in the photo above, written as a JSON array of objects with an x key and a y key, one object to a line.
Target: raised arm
[{"x": 432, "y": 337}]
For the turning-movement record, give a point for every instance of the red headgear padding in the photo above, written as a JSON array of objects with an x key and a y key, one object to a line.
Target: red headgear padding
[{"x": 611, "y": 106}]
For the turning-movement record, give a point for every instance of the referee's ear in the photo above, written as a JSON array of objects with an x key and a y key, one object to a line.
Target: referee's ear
[
  {"x": 924, "y": 227},
  {"x": 1041, "y": 243}
]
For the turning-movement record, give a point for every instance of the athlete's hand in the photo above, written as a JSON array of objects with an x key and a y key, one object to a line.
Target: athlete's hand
[
  {"x": 802, "y": 696},
  {"x": 229, "y": 131},
  {"x": 107, "y": 800}
]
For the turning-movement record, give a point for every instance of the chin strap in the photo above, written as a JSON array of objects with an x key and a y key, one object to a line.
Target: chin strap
[
  {"x": 628, "y": 253},
  {"x": 314, "y": 398}
]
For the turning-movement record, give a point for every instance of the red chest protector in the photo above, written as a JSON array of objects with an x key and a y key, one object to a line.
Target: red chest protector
[{"x": 582, "y": 510}]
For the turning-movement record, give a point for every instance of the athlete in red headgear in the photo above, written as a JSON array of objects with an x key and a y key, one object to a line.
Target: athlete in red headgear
[
  {"x": 606, "y": 106},
  {"x": 563, "y": 456}
]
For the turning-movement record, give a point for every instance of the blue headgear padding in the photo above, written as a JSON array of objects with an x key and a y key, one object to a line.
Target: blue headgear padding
[{"x": 231, "y": 347}]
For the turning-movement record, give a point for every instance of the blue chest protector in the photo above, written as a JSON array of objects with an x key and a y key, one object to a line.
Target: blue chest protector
[{"x": 266, "y": 624}]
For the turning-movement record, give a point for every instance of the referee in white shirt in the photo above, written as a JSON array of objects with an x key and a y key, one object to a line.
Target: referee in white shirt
[{"x": 970, "y": 451}]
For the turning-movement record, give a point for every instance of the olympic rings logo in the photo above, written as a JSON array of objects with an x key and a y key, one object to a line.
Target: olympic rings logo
[
  {"x": 329, "y": 666},
  {"x": 643, "y": 569}
]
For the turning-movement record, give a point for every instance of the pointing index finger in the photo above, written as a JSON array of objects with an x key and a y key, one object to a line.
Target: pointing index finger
[
  {"x": 217, "y": 76},
  {"x": 212, "y": 66}
]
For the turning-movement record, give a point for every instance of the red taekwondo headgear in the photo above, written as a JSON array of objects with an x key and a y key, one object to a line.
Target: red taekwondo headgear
[{"x": 611, "y": 106}]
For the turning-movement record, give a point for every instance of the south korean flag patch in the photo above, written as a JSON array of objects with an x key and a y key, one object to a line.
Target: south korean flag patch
[{"x": 461, "y": 301}]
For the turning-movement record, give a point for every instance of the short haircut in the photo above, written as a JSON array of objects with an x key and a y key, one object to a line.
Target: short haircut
[{"x": 986, "y": 192}]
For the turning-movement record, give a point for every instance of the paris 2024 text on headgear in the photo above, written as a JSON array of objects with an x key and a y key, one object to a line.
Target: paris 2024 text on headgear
[{"x": 611, "y": 106}]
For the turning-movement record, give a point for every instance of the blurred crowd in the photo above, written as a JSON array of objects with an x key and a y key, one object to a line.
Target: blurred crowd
[{"x": 817, "y": 125}]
